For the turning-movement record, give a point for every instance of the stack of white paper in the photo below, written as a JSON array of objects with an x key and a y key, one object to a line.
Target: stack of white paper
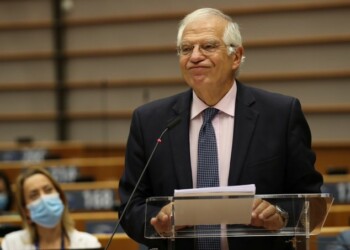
[
  {"x": 217, "y": 205},
  {"x": 217, "y": 191}
]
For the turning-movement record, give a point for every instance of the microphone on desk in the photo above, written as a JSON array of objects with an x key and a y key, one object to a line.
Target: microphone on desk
[{"x": 170, "y": 125}]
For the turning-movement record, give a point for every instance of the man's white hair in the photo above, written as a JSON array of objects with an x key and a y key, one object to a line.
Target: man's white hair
[{"x": 232, "y": 35}]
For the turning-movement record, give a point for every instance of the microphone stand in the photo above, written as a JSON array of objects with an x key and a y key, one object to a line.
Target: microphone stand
[{"x": 170, "y": 125}]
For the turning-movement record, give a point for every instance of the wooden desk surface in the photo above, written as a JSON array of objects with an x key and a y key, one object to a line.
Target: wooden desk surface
[
  {"x": 78, "y": 162},
  {"x": 119, "y": 241}
]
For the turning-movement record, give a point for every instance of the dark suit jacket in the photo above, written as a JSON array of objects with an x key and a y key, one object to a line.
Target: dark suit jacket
[{"x": 271, "y": 148}]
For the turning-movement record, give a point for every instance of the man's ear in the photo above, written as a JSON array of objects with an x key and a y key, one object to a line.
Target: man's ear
[{"x": 237, "y": 57}]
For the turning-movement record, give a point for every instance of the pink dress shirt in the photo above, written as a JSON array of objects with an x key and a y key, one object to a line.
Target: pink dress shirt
[{"x": 223, "y": 124}]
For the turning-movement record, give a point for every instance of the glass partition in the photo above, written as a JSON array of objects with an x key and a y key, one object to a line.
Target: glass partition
[{"x": 306, "y": 215}]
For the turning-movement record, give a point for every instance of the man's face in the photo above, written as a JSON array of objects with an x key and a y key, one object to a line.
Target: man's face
[{"x": 204, "y": 61}]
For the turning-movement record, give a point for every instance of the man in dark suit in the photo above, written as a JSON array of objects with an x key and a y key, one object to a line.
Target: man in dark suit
[{"x": 262, "y": 137}]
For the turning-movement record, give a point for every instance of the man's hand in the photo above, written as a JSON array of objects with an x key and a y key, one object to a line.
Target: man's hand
[
  {"x": 266, "y": 215},
  {"x": 162, "y": 222}
]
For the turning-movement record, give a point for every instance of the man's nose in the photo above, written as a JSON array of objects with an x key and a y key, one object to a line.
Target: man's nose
[{"x": 196, "y": 53}]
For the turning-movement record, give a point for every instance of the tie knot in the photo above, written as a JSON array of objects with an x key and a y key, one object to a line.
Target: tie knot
[{"x": 208, "y": 114}]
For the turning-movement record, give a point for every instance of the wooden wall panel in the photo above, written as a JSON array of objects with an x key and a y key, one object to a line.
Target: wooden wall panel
[
  {"x": 121, "y": 35},
  {"x": 110, "y": 42},
  {"x": 294, "y": 24},
  {"x": 297, "y": 59},
  {"x": 25, "y": 41},
  {"x": 37, "y": 130},
  {"x": 25, "y": 10},
  {"x": 329, "y": 127},
  {"x": 124, "y": 67},
  {"x": 104, "y": 131},
  {"x": 22, "y": 102},
  {"x": 26, "y": 71},
  {"x": 94, "y": 8},
  {"x": 311, "y": 92}
]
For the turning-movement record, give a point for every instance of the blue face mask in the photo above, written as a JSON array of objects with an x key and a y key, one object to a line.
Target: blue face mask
[
  {"x": 3, "y": 201},
  {"x": 47, "y": 210}
]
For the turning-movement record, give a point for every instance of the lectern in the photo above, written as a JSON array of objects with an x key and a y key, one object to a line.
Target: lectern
[{"x": 306, "y": 216}]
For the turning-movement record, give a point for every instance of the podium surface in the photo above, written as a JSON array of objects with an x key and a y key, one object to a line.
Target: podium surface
[{"x": 306, "y": 216}]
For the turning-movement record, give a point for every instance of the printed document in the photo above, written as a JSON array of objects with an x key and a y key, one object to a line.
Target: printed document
[{"x": 217, "y": 205}]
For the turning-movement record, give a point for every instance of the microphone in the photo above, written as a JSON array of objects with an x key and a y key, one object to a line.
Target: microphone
[{"x": 170, "y": 125}]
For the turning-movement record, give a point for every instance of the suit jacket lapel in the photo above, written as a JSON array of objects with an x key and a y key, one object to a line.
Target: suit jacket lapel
[
  {"x": 179, "y": 138},
  {"x": 245, "y": 121}
]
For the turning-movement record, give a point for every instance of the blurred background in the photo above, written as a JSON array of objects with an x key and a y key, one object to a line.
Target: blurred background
[{"x": 72, "y": 72}]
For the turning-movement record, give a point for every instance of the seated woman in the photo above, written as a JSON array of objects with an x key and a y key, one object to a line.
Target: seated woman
[{"x": 47, "y": 225}]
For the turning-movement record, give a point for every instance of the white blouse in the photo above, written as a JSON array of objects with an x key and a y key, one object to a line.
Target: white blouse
[{"x": 21, "y": 240}]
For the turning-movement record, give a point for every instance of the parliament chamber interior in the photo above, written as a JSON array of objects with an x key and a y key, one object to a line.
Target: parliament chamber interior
[{"x": 73, "y": 71}]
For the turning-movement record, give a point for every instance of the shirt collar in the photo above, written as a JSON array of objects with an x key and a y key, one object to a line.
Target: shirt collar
[{"x": 225, "y": 105}]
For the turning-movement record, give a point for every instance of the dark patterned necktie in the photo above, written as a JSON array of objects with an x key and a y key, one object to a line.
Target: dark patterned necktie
[{"x": 208, "y": 173}]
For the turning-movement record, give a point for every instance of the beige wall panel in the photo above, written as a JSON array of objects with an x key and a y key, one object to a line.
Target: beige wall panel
[
  {"x": 27, "y": 71},
  {"x": 268, "y": 26},
  {"x": 27, "y": 102},
  {"x": 123, "y": 67},
  {"x": 25, "y": 10},
  {"x": 94, "y": 8},
  {"x": 122, "y": 35},
  {"x": 118, "y": 99},
  {"x": 163, "y": 92},
  {"x": 25, "y": 41},
  {"x": 312, "y": 92},
  {"x": 41, "y": 131},
  {"x": 331, "y": 127},
  {"x": 109, "y": 131},
  {"x": 297, "y": 59},
  {"x": 105, "y": 99},
  {"x": 263, "y": 60},
  {"x": 301, "y": 24},
  {"x": 126, "y": 98}
]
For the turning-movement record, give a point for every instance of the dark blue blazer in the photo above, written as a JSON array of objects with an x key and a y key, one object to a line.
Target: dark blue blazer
[{"x": 271, "y": 148}]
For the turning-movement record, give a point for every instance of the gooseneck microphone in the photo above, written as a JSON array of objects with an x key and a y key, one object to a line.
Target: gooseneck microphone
[{"x": 170, "y": 125}]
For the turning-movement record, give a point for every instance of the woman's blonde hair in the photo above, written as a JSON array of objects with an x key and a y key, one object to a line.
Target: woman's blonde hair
[{"x": 66, "y": 221}]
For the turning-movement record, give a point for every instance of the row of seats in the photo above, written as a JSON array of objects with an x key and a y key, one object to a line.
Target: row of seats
[
  {"x": 95, "y": 175},
  {"x": 89, "y": 175},
  {"x": 329, "y": 154},
  {"x": 72, "y": 169}
]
